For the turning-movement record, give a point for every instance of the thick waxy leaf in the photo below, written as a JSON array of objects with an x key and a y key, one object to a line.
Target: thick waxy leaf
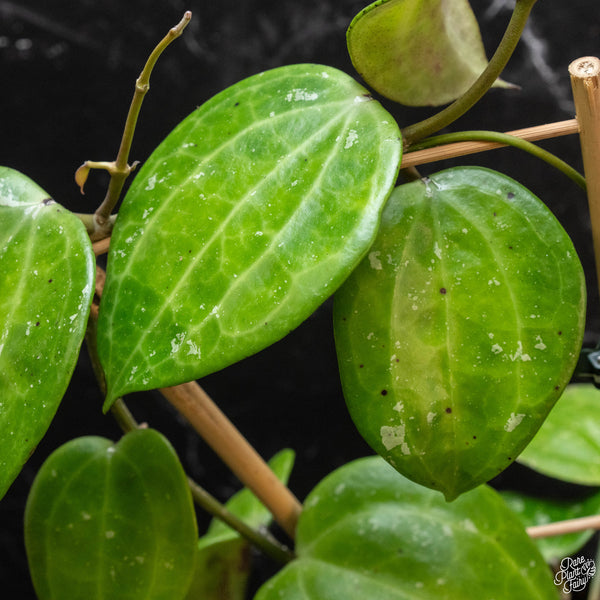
[
  {"x": 111, "y": 521},
  {"x": 367, "y": 532},
  {"x": 568, "y": 444},
  {"x": 418, "y": 52},
  {"x": 223, "y": 561},
  {"x": 458, "y": 332},
  {"x": 541, "y": 511},
  {"x": 46, "y": 286},
  {"x": 242, "y": 222}
]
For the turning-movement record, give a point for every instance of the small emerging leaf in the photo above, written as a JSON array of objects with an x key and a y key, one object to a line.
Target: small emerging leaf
[
  {"x": 567, "y": 446},
  {"x": 223, "y": 558},
  {"x": 47, "y": 277},
  {"x": 541, "y": 511},
  {"x": 459, "y": 331},
  {"x": 249, "y": 215},
  {"x": 418, "y": 52},
  {"x": 111, "y": 521},
  {"x": 367, "y": 532}
]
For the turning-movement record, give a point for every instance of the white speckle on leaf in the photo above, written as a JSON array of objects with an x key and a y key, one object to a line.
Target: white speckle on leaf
[
  {"x": 151, "y": 183},
  {"x": 513, "y": 421},
  {"x": 109, "y": 534},
  {"x": 351, "y": 138},
  {"x": 299, "y": 95},
  {"x": 519, "y": 354},
  {"x": 374, "y": 260},
  {"x": 430, "y": 417},
  {"x": 399, "y": 406},
  {"x": 437, "y": 250},
  {"x": 391, "y": 437},
  {"x": 193, "y": 348},
  {"x": 497, "y": 349},
  {"x": 493, "y": 281},
  {"x": 176, "y": 342},
  {"x": 540, "y": 343}
]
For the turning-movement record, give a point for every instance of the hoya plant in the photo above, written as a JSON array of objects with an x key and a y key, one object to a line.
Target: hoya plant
[{"x": 459, "y": 306}]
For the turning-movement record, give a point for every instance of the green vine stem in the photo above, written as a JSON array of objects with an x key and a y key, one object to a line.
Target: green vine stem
[
  {"x": 505, "y": 140},
  {"x": 120, "y": 168},
  {"x": 459, "y": 107}
]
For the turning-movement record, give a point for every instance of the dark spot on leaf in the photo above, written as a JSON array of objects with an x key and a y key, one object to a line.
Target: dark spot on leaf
[
  {"x": 237, "y": 104},
  {"x": 448, "y": 410},
  {"x": 37, "y": 324},
  {"x": 495, "y": 215},
  {"x": 49, "y": 280},
  {"x": 47, "y": 201},
  {"x": 510, "y": 458},
  {"x": 510, "y": 195},
  {"x": 474, "y": 437},
  {"x": 384, "y": 392},
  {"x": 368, "y": 96},
  {"x": 560, "y": 333},
  {"x": 443, "y": 290},
  {"x": 397, "y": 360},
  {"x": 510, "y": 247},
  {"x": 360, "y": 366},
  {"x": 557, "y": 387}
]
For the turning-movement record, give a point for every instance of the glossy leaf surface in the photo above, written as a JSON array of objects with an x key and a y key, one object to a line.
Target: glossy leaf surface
[
  {"x": 567, "y": 446},
  {"x": 223, "y": 562},
  {"x": 251, "y": 213},
  {"x": 111, "y": 521},
  {"x": 46, "y": 285},
  {"x": 458, "y": 332},
  {"x": 367, "y": 532},
  {"x": 541, "y": 511},
  {"x": 417, "y": 52}
]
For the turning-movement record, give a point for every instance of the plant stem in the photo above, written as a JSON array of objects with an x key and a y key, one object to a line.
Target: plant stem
[
  {"x": 538, "y": 132},
  {"x": 562, "y": 527},
  {"x": 120, "y": 169},
  {"x": 507, "y": 140},
  {"x": 484, "y": 82},
  {"x": 265, "y": 542},
  {"x": 585, "y": 83},
  {"x": 219, "y": 433}
]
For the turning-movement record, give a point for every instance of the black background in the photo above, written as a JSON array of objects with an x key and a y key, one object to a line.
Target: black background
[{"x": 67, "y": 71}]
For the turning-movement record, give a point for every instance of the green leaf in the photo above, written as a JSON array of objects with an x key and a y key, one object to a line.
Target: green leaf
[
  {"x": 367, "y": 532},
  {"x": 458, "y": 332},
  {"x": 567, "y": 446},
  {"x": 541, "y": 511},
  {"x": 223, "y": 559},
  {"x": 251, "y": 213},
  {"x": 111, "y": 521},
  {"x": 418, "y": 52},
  {"x": 47, "y": 278}
]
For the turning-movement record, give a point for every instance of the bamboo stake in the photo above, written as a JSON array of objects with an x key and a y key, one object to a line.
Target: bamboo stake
[
  {"x": 531, "y": 134},
  {"x": 222, "y": 436},
  {"x": 562, "y": 527},
  {"x": 585, "y": 83}
]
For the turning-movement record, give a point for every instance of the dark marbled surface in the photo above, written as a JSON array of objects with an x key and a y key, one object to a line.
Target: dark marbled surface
[{"x": 66, "y": 76}]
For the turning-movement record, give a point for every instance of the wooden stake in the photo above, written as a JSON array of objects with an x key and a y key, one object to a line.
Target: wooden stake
[
  {"x": 562, "y": 527},
  {"x": 531, "y": 134},
  {"x": 585, "y": 83},
  {"x": 222, "y": 436}
]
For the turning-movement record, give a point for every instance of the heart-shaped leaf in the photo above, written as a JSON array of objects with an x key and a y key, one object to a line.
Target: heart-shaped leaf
[
  {"x": 541, "y": 511},
  {"x": 46, "y": 285},
  {"x": 111, "y": 521},
  {"x": 418, "y": 52},
  {"x": 223, "y": 561},
  {"x": 459, "y": 331},
  {"x": 567, "y": 446},
  {"x": 241, "y": 223},
  {"x": 367, "y": 532}
]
